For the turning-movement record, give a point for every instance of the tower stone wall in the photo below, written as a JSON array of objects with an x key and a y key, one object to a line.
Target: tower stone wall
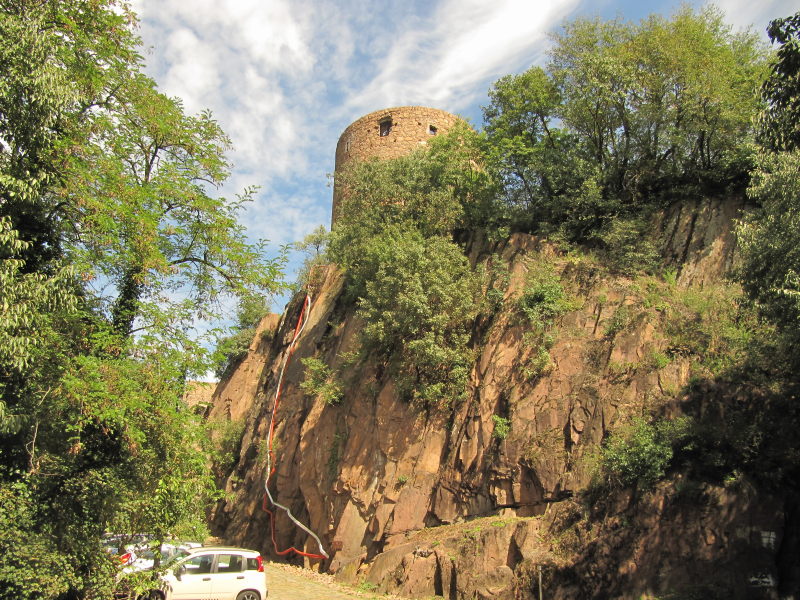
[{"x": 388, "y": 133}]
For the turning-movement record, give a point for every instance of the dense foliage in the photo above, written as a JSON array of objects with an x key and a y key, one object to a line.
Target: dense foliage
[
  {"x": 112, "y": 244},
  {"x": 769, "y": 237},
  {"x": 320, "y": 382},
  {"x": 770, "y": 242},
  {"x": 780, "y": 121},
  {"x": 413, "y": 284},
  {"x": 638, "y": 455},
  {"x": 622, "y": 118}
]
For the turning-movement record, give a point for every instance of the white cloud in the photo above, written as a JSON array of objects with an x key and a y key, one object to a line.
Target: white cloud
[
  {"x": 193, "y": 74},
  {"x": 240, "y": 58},
  {"x": 468, "y": 43},
  {"x": 284, "y": 77},
  {"x": 745, "y": 13}
]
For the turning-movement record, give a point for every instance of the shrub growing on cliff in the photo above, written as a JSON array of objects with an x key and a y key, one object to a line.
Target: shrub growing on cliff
[
  {"x": 502, "y": 427},
  {"x": 413, "y": 286},
  {"x": 638, "y": 455},
  {"x": 543, "y": 297},
  {"x": 418, "y": 303},
  {"x": 542, "y": 301},
  {"x": 320, "y": 381},
  {"x": 314, "y": 247}
]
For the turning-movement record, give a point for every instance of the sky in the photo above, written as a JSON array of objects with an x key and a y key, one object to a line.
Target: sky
[{"x": 285, "y": 77}]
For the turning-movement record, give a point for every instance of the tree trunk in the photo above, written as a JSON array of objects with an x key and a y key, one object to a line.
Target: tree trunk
[{"x": 126, "y": 306}]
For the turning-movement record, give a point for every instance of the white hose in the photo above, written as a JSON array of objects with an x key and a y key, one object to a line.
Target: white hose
[{"x": 288, "y": 353}]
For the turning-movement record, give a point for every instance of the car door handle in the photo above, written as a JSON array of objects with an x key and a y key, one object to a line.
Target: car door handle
[
  {"x": 240, "y": 577},
  {"x": 206, "y": 578}
]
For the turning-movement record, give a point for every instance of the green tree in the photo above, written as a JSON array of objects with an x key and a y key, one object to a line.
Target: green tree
[
  {"x": 769, "y": 239},
  {"x": 659, "y": 102},
  {"x": 640, "y": 453},
  {"x": 780, "y": 121},
  {"x": 314, "y": 246},
  {"x": 56, "y": 60},
  {"x": 623, "y": 117},
  {"x": 149, "y": 223},
  {"x": 414, "y": 286},
  {"x": 536, "y": 159},
  {"x": 104, "y": 182},
  {"x": 418, "y": 303},
  {"x": 769, "y": 236}
]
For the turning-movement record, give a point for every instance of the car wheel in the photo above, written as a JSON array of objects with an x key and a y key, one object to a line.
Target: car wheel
[{"x": 248, "y": 595}]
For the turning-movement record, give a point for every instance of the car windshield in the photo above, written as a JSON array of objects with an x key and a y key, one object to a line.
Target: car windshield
[{"x": 179, "y": 554}]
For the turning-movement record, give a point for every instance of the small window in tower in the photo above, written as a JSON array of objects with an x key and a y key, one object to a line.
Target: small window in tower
[
  {"x": 385, "y": 127},
  {"x": 432, "y": 130}
]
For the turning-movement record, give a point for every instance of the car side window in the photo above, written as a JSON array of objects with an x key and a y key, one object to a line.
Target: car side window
[
  {"x": 252, "y": 564},
  {"x": 229, "y": 563},
  {"x": 199, "y": 565}
]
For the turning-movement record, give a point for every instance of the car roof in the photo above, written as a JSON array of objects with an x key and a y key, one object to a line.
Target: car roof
[{"x": 221, "y": 549}]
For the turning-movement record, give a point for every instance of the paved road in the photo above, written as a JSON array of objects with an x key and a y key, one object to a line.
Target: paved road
[{"x": 292, "y": 583}]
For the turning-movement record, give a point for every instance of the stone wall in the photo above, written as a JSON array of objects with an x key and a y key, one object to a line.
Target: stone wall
[{"x": 408, "y": 128}]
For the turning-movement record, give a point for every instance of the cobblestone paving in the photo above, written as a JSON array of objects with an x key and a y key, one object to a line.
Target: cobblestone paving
[{"x": 293, "y": 583}]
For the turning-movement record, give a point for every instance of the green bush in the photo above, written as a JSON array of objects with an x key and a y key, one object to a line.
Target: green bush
[
  {"x": 39, "y": 568},
  {"x": 502, "y": 427},
  {"x": 628, "y": 248},
  {"x": 226, "y": 439},
  {"x": 542, "y": 301},
  {"x": 539, "y": 362},
  {"x": 639, "y": 454},
  {"x": 618, "y": 321},
  {"x": 656, "y": 360},
  {"x": 417, "y": 298},
  {"x": 713, "y": 327},
  {"x": 543, "y": 298},
  {"x": 319, "y": 381}
]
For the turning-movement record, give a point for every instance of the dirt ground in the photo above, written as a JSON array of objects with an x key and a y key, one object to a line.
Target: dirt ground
[{"x": 286, "y": 582}]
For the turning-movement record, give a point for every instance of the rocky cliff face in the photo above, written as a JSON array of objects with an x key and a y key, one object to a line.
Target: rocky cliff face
[{"x": 442, "y": 501}]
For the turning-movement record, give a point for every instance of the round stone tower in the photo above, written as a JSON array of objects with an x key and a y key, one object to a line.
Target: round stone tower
[{"x": 389, "y": 133}]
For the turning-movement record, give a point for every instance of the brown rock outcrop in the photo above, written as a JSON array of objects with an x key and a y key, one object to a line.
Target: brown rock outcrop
[
  {"x": 371, "y": 474},
  {"x": 234, "y": 394}
]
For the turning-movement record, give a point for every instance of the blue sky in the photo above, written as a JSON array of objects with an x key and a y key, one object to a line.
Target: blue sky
[{"x": 285, "y": 77}]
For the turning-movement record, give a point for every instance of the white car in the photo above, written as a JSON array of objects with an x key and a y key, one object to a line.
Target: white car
[
  {"x": 215, "y": 574},
  {"x": 142, "y": 558}
]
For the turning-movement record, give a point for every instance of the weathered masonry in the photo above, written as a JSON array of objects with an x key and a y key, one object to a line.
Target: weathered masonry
[{"x": 388, "y": 133}]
